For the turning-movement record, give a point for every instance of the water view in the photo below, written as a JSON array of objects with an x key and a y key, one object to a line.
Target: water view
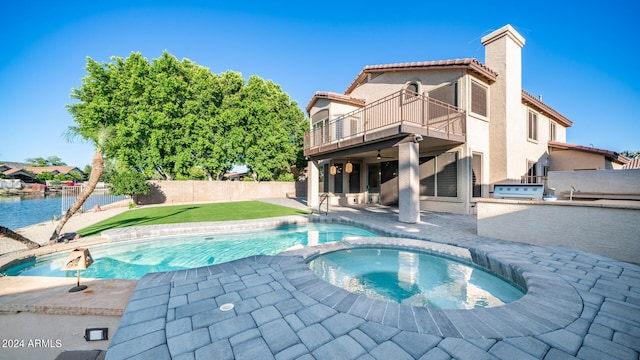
[{"x": 17, "y": 211}]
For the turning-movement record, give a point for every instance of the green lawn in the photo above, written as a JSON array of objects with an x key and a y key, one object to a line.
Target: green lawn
[{"x": 242, "y": 210}]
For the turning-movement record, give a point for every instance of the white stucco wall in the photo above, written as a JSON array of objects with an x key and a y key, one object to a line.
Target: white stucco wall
[
  {"x": 607, "y": 230},
  {"x": 390, "y": 82},
  {"x": 604, "y": 181}
]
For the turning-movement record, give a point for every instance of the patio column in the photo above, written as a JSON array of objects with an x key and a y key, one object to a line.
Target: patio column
[
  {"x": 312, "y": 183},
  {"x": 409, "y": 182}
]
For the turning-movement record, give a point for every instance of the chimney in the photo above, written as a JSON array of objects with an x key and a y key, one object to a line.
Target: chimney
[{"x": 503, "y": 54}]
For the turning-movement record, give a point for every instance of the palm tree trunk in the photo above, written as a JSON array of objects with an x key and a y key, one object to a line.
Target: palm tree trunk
[
  {"x": 96, "y": 171},
  {"x": 15, "y": 236}
]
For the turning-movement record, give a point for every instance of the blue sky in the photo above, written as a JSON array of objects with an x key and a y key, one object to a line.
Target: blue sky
[{"x": 579, "y": 58}]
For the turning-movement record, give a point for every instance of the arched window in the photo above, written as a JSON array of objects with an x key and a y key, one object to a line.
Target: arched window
[{"x": 412, "y": 90}]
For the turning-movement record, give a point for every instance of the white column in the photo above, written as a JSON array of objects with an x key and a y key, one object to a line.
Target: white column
[
  {"x": 409, "y": 182},
  {"x": 312, "y": 183}
]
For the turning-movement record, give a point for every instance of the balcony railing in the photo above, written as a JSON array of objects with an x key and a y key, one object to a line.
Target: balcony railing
[{"x": 436, "y": 118}]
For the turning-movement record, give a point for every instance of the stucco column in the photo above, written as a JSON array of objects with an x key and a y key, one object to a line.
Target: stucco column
[
  {"x": 409, "y": 182},
  {"x": 312, "y": 183}
]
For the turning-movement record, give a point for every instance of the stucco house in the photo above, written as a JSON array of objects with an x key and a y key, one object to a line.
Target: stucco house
[
  {"x": 29, "y": 173},
  {"x": 431, "y": 135}
]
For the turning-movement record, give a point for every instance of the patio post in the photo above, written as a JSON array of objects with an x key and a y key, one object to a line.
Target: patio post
[
  {"x": 312, "y": 183},
  {"x": 409, "y": 182}
]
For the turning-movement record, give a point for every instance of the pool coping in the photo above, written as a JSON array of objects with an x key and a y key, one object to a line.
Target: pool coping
[
  {"x": 556, "y": 303},
  {"x": 549, "y": 303}
]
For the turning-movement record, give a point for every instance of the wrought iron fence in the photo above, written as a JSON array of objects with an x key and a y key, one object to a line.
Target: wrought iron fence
[{"x": 100, "y": 196}]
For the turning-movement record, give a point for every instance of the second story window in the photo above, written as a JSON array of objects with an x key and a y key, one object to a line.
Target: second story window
[
  {"x": 552, "y": 131},
  {"x": 413, "y": 87},
  {"x": 478, "y": 99},
  {"x": 532, "y": 129}
]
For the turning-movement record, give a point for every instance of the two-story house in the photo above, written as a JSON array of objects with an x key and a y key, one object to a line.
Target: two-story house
[{"x": 431, "y": 135}]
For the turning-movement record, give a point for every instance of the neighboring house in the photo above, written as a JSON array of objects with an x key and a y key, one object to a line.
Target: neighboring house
[
  {"x": 235, "y": 176},
  {"x": 431, "y": 135},
  {"x": 575, "y": 157},
  {"x": 20, "y": 174},
  {"x": 29, "y": 173},
  {"x": 632, "y": 164},
  {"x": 54, "y": 170}
]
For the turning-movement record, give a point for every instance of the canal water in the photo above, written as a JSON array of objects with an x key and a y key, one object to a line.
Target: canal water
[
  {"x": 20, "y": 211},
  {"x": 17, "y": 212}
]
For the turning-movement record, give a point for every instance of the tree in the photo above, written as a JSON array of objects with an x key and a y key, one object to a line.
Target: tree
[
  {"x": 129, "y": 182},
  {"x": 55, "y": 161},
  {"x": 631, "y": 154},
  {"x": 45, "y": 175},
  {"x": 169, "y": 117},
  {"x": 99, "y": 137},
  {"x": 37, "y": 162},
  {"x": 274, "y": 127},
  {"x": 94, "y": 115},
  {"x": 8, "y": 233},
  {"x": 42, "y": 162}
]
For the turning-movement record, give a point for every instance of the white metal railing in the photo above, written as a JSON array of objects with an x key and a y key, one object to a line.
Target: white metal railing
[
  {"x": 100, "y": 196},
  {"x": 402, "y": 106}
]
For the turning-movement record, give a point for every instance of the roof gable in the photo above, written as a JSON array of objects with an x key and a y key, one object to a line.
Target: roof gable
[
  {"x": 611, "y": 155},
  {"x": 335, "y": 97},
  {"x": 472, "y": 65},
  {"x": 545, "y": 109}
]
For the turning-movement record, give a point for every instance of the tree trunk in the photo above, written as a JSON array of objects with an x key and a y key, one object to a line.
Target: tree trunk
[
  {"x": 15, "y": 236},
  {"x": 96, "y": 171}
]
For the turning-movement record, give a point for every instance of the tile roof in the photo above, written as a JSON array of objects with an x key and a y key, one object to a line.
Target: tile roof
[
  {"x": 545, "y": 109},
  {"x": 633, "y": 164},
  {"x": 611, "y": 155},
  {"x": 60, "y": 169},
  {"x": 334, "y": 96},
  {"x": 471, "y": 64}
]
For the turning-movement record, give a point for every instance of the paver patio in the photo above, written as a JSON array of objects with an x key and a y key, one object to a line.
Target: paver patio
[{"x": 578, "y": 305}]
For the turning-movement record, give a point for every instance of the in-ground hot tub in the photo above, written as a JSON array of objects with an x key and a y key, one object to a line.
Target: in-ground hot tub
[{"x": 413, "y": 278}]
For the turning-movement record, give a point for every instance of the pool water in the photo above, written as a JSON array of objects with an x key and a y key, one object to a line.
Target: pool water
[
  {"x": 132, "y": 260},
  {"x": 413, "y": 278}
]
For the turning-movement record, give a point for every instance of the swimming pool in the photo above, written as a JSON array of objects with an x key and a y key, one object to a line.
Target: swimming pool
[
  {"x": 132, "y": 260},
  {"x": 413, "y": 278}
]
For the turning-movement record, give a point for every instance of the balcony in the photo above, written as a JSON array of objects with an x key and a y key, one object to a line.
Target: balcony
[{"x": 403, "y": 112}]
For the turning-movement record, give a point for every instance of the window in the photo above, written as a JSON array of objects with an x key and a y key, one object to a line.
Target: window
[
  {"x": 478, "y": 99},
  {"x": 439, "y": 175},
  {"x": 319, "y": 121},
  {"x": 532, "y": 132},
  {"x": 338, "y": 179},
  {"x": 476, "y": 175},
  {"x": 412, "y": 92},
  {"x": 552, "y": 131},
  {"x": 339, "y": 121},
  {"x": 354, "y": 179},
  {"x": 325, "y": 178},
  {"x": 532, "y": 173}
]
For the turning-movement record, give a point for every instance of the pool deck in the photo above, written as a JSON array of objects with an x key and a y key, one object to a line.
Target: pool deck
[{"x": 578, "y": 305}]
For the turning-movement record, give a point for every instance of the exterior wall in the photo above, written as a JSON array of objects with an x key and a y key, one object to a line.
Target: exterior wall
[
  {"x": 390, "y": 82},
  {"x": 610, "y": 231},
  {"x": 579, "y": 160},
  {"x": 605, "y": 181},
  {"x": 462, "y": 203},
  {"x": 176, "y": 192},
  {"x": 534, "y": 150},
  {"x": 503, "y": 54}
]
